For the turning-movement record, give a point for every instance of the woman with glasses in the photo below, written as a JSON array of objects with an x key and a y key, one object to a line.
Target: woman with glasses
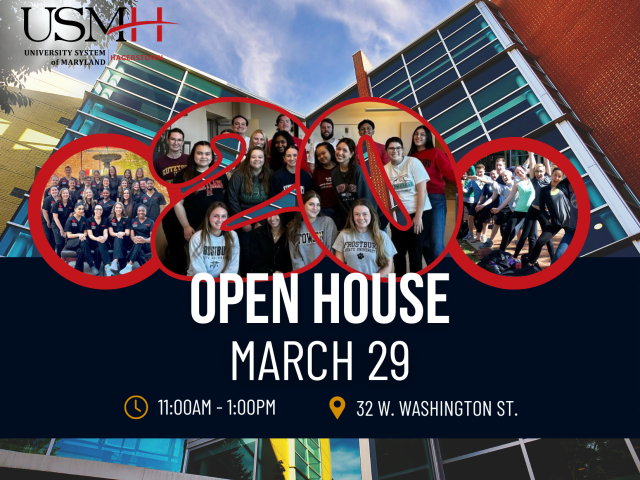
[{"x": 409, "y": 179}]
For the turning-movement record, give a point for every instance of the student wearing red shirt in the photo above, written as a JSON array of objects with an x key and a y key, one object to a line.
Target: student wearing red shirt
[{"x": 438, "y": 167}]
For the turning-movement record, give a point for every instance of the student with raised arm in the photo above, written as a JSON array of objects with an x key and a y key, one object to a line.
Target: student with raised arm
[{"x": 540, "y": 178}]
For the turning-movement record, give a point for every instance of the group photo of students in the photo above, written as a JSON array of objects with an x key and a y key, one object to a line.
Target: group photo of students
[
  {"x": 99, "y": 209},
  {"x": 335, "y": 198},
  {"x": 526, "y": 211}
]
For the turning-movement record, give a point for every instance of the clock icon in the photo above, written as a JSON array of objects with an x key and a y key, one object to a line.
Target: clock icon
[{"x": 136, "y": 407}]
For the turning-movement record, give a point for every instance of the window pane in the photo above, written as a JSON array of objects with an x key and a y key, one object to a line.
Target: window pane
[
  {"x": 431, "y": 72},
  {"x": 595, "y": 198},
  {"x": 463, "y": 151},
  {"x": 480, "y": 79},
  {"x": 455, "y": 24},
  {"x": 181, "y": 105},
  {"x": 194, "y": 95},
  {"x": 391, "y": 82},
  {"x": 380, "y": 75},
  {"x": 463, "y": 133},
  {"x": 507, "y": 464},
  {"x": 457, "y": 38},
  {"x": 120, "y": 117},
  {"x": 396, "y": 455},
  {"x": 456, "y": 447},
  {"x": 433, "y": 108},
  {"x": 300, "y": 449},
  {"x": 68, "y": 137},
  {"x": 554, "y": 138},
  {"x": 25, "y": 445},
  {"x": 146, "y": 75},
  {"x": 423, "y": 47},
  {"x": 399, "y": 93},
  {"x": 157, "y": 453},
  {"x": 498, "y": 89},
  {"x": 426, "y": 59},
  {"x": 479, "y": 58},
  {"x": 208, "y": 86},
  {"x": 133, "y": 85},
  {"x": 452, "y": 117},
  {"x": 581, "y": 459},
  {"x": 574, "y": 160},
  {"x": 314, "y": 446},
  {"x": 522, "y": 125},
  {"x": 604, "y": 229},
  {"x": 91, "y": 126},
  {"x": 508, "y": 108},
  {"x": 301, "y": 465},
  {"x": 131, "y": 101},
  {"x": 436, "y": 85},
  {"x": 472, "y": 45},
  {"x": 231, "y": 458}
]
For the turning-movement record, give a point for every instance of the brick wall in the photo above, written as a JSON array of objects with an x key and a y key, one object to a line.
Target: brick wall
[{"x": 591, "y": 52}]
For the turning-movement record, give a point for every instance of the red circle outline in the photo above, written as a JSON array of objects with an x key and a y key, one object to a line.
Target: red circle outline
[
  {"x": 582, "y": 230},
  {"x": 37, "y": 190}
]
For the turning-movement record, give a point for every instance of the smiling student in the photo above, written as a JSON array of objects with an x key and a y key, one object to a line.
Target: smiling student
[
  {"x": 362, "y": 245},
  {"x": 325, "y": 155},
  {"x": 119, "y": 231},
  {"x": 302, "y": 246},
  {"x": 409, "y": 179},
  {"x": 153, "y": 200},
  {"x": 286, "y": 176},
  {"x": 269, "y": 252},
  {"x": 212, "y": 250},
  {"x": 141, "y": 228},
  {"x": 168, "y": 166},
  {"x": 77, "y": 241},
  {"x": 61, "y": 211},
  {"x": 97, "y": 228}
]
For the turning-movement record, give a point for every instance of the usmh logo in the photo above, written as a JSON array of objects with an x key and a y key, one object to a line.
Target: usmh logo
[{"x": 59, "y": 17}]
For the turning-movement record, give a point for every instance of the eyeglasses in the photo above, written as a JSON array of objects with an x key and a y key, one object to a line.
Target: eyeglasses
[{"x": 395, "y": 149}]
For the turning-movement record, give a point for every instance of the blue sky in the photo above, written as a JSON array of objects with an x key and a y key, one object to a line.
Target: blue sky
[
  {"x": 297, "y": 53},
  {"x": 345, "y": 459}
]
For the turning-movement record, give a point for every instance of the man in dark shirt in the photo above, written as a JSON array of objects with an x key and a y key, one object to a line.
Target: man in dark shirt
[
  {"x": 174, "y": 161},
  {"x": 153, "y": 200}
]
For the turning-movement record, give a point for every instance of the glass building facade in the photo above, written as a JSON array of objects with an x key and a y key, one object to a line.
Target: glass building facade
[{"x": 471, "y": 77}]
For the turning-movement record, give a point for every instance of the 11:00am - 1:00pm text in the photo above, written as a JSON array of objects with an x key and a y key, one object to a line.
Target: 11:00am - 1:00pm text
[{"x": 203, "y": 407}]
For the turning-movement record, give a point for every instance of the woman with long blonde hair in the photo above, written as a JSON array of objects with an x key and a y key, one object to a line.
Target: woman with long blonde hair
[{"x": 212, "y": 250}]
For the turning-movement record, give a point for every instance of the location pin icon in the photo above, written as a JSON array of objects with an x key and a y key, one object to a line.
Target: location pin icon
[{"x": 337, "y": 406}]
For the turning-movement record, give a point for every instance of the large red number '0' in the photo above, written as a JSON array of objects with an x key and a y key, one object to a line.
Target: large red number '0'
[
  {"x": 580, "y": 190},
  {"x": 39, "y": 186}
]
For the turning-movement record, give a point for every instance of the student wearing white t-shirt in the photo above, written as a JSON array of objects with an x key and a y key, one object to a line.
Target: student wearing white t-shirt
[
  {"x": 212, "y": 250},
  {"x": 409, "y": 179},
  {"x": 362, "y": 245}
]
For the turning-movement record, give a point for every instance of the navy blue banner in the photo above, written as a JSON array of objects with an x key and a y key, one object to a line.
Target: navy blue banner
[{"x": 556, "y": 360}]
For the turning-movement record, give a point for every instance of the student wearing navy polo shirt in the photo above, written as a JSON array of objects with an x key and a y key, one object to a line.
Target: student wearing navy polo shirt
[
  {"x": 47, "y": 219},
  {"x": 153, "y": 200},
  {"x": 61, "y": 211},
  {"x": 54, "y": 183},
  {"x": 74, "y": 192},
  {"x": 141, "y": 228},
  {"x": 97, "y": 229},
  {"x": 64, "y": 181},
  {"x": 119, "y": 233},
  {"x": 96, "y": 181},
  {"x": 75, "y": 228},
  {"x": 106, "y": 202}
]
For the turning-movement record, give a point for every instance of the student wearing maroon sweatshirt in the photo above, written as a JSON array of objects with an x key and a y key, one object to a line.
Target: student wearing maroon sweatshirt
[{"x": 438, "y": 167}]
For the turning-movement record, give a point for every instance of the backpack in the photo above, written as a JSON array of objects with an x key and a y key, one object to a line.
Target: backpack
[
  {"x": 463, "y": 231},
  {"x": 497, "y": 262}
]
